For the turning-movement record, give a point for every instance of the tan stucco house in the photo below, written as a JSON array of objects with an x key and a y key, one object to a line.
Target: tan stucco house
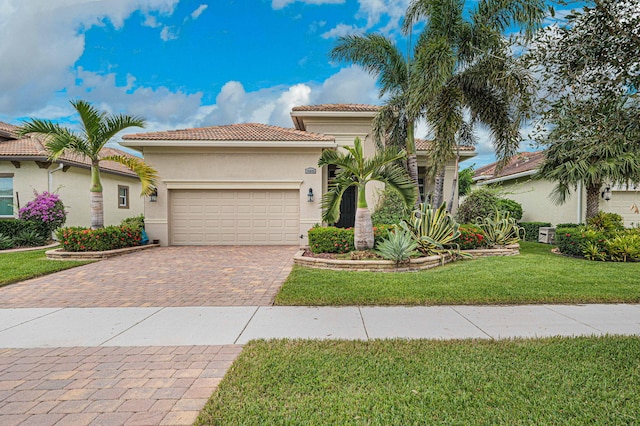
[
  {"x": 516, "y": 179},
  {"x": 253, "y": 184},
  {"x": 25, "y": 167}
]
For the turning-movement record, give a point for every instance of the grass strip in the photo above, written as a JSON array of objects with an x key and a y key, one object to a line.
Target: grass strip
[
  {"x": 534, "y": 276},
  {"x": 587, "y": 380},
  {"x": 20, "y": 266}
]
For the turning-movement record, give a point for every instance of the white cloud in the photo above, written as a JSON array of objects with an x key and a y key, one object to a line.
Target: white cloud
[
  {"x": 341, "y": 30},
  {"x": 41, "y": 40},
  {"x": 374, "y": 12},
  {"x": 196, "y": 13},
  {"x": 279, "y": 4},
  {"x": 168, "y": 33},
  {"x": 349, "y": 85}
]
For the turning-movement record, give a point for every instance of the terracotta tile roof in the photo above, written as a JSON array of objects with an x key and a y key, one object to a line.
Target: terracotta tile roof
[
  {"x": 32, "y": 147},
  {"x": 424, "y": 145},
  {"x": 8, "y": 129},
  {"x": 338, "y": 108},
  {"x": 519, "y": 163},
  {"x": 232, "y": 132}
]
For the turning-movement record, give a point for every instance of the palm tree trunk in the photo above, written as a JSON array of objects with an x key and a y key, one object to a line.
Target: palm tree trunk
[
  {"x": 363, "y": 227},
  {"x": 97, "y": 204},
  {"x": 412, "y": 160},
  {"x": 438, "y": 192},
  {"x": 454, "y": 185},
  {"x": 593, "y": 200}
]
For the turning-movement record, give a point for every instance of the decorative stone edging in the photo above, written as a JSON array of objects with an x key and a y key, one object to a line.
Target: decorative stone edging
[
  {"x": 17, "y": 250},
  {"x": 59, "y": 254},
  {"x": 417, "y": 264}
]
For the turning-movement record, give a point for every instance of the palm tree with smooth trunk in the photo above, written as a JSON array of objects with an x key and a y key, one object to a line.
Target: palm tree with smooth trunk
[
  {"x": 97, "y": 128},
  {"x": 465, "y": 71},
  {"x": 356, "y": 170},
  {"x": 381, "y": 58}
]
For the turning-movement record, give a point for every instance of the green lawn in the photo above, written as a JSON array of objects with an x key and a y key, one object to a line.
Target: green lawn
[
  {"x": 557, "y": 381},
  {"x": 19, "y": 266},
  {"x": 535, "y": 276}
]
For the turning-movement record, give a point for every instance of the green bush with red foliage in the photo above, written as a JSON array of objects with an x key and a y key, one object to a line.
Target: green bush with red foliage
[
  {"x": 330, "y": 239},
  {"x": 107, "y": 238},
  {"x": 471, "y": 237}
]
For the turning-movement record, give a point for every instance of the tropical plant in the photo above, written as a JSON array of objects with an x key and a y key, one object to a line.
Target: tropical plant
[
  {"x": 134, "y": 221},
  {"x": 6, "y": 242},
  {"x": 380, "y": 57},
  {"x": 97, "y": 128},
  {"x": 471, "y": 237},
  {"x": 593, "y": 251},
  {"x": 434, "y": 230},
  {"x": 465, "y": 179},
  {"x": 465, "y": 68},
  {"x": 29, "y": 238},
  {"x": 356, "y": 170},
  {"x": 391, "y": 210},
  {"x": 399, "y": 246},
  {"x": 606, "y": 222},
  {"x": 500, "y": 229},
  {"x": 624, "y": 248},
  {"x": 46, "y": 208},
  {"x": 513, "y": 207}
]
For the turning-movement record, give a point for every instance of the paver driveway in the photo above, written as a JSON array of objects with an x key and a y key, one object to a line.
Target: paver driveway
[{"x": 166, "y": 276}]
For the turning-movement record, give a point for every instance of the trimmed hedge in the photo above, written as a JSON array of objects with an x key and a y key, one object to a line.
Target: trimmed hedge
[
  {"x": 330, "y": 239},
  {"x": 471, "y": 237},
  {"x": 573, "y": 241},
  {"x": 13, "y": 227},
  {"x": 532, "y": 229},
  {"x": 108, "y": 238}
]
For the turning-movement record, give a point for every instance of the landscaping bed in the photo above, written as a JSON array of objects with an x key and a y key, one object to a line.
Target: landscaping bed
[{"x": 581, "y": 380}]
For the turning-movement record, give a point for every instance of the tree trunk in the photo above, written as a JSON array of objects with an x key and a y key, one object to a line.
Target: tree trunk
[
  {"x": 363, "y": 227},
  {"x": 454, "y": 185},
  {"x": 438, "y": 192},
  {"x": 412, "y": 161},
  {"x": 593, "y": 200},
  {"x": 97, "y": 204}
]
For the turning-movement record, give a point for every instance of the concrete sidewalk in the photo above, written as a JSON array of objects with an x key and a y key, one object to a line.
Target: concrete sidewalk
[{"x": 189, "y": 326}]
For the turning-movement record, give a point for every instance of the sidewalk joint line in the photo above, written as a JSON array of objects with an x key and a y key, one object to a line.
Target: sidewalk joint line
[
  {"x": 549, "y": 307},
  {"x": 235, "y": 342},
  {"x": 32, "y": 319},
  {"x": 363, "y": 324},
  {"x": 472, "y": 323},
  {"x": 127, "y": 329}
]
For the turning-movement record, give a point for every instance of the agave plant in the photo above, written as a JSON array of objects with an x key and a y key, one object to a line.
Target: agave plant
[
  {"x": 500, "y": 229},
  {"x": 434, "y": 230},
  {"x": 399, "y": 246}
]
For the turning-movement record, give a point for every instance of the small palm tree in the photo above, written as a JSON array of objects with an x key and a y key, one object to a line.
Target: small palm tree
[
  {"x": 98, "y": 128},
  {"x": 356, "y": 170}
]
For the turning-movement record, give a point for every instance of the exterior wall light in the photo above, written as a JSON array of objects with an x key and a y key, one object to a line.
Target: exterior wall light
[
  {"x": 310, "y": 195},
  {"x": 606, "y": 194},
  {"x": 154, "y": 196}
]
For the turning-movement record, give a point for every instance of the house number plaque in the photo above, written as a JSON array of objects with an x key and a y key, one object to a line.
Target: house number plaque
[{"x": 310, "y": 171}]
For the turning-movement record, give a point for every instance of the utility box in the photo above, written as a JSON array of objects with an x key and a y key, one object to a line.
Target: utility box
[{"x": 546, "y": 235}]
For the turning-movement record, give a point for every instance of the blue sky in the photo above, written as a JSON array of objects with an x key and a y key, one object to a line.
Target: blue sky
[{"x": 186, "y": 63}]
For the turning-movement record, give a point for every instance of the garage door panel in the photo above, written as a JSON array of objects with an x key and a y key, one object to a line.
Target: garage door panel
[{"x": 245, "y": 217}]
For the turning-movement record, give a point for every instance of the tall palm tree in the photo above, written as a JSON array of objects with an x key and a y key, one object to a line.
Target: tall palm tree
[
  {"x": 464, "y": 68},
  {"x": 98, "y": 128},
  {"x": 381, "y": 58},
  {"x": 356, "y": 170}
]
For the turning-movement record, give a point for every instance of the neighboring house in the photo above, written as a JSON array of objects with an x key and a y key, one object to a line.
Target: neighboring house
[
  {"x": 25, "y": 167},
  {"x": 251, "y": 184},
  {"x": 516, "y": 179}
]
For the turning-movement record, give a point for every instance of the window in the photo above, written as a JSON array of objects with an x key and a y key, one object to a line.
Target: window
[
  {"x": 123, "y": 197},
  {"x": 6, "y": 195}
]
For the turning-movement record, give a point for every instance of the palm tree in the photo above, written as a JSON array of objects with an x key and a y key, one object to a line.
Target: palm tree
[
  {"x": 356, "y": 170},
  {"x": 98, "y": 128},
  {"x": 465, "y": 72},
  {"x": 381, "y": 58}
]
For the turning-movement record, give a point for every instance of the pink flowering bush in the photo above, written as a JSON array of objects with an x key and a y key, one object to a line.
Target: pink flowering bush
[{"x": 46, "y": 208}]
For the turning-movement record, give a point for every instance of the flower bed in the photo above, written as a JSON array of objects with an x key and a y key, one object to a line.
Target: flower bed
[{"x": 78, "y": 239}]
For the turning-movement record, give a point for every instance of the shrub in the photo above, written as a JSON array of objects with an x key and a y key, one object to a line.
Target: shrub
[
  {"x": 107, "y": 238},
  {"x": 134, "y": 221},
  {"x": 624, "y": 247},
  {"x": 606, "y": 222},
  {"x": 513, "y": 207},
  {"x": 532, "y": 229},
  {"x": 13, "y": 227},
  {"x": 501, "y": 229},
  {"x": 330, "y": 239},
  {"x": 471, "y": 237},
  {"x": 479, "y": 203},
  {"x": 399, "y": 246},
  {"x": 434, "y": 230},
  {"x": 46, "y": 208},
  {"x": 6, "y": 242},
  {"x": 29, "y": 238},
  {"x": 569, "y": 225},
  {"x": 574, "y": 241},
  {"x": 390, "y": 210}
]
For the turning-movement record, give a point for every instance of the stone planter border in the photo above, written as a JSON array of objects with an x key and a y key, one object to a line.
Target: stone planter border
[
  {"x": 418, "y": 264},
  {"x": 59, "y": 254}
]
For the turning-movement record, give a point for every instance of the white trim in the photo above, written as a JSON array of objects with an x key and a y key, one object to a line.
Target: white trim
[
  {"x": 232, "y": 184},
  {"x": 504, "y": 178},
  {"x": 155, "y": 221},
  {"x": 227, "y": 144}
]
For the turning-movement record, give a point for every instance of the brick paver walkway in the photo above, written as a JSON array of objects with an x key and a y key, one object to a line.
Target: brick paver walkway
[
  {"x": 109, "y": 386},
  {"x": 166, "y": 276}
]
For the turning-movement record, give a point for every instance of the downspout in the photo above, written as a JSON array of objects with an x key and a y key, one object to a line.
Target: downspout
[
  {"x": 51, "y": 172},
  {"x": 580, "y": 198}
]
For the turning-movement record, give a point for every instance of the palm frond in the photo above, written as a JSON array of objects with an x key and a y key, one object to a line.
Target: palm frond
[
  {"x": 57, "y": 139},
  {"x": 332, "y": 199},
  {"x": 91, "y": 119},
  {"x": 147, "y": 174},
  {"x": 500, "y": 15}
]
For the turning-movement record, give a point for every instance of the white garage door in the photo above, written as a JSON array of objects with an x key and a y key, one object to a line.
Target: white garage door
[{"x": 229, "y": 217}]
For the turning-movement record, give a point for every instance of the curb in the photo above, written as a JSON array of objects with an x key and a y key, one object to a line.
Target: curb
[
  {"x": 18, "y": 250},
  {"x": 59, "y": 254}
]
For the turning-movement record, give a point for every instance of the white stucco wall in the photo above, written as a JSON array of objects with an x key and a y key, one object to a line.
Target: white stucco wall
[{"x": 73, "y": 187}]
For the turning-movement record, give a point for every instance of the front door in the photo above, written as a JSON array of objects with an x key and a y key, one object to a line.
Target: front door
[{"x": 348, "y": 204}]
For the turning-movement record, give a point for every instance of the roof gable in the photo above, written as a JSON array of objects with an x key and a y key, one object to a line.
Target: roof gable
[{"x": 519, "y": 163}]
